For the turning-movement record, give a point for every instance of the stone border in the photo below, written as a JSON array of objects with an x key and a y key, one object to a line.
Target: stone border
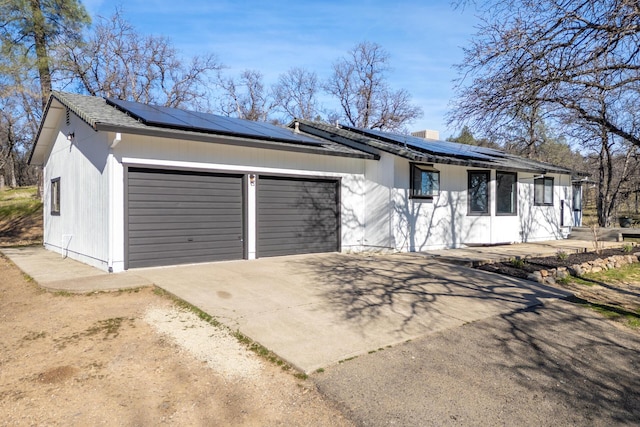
[{"x": 600, "y": 264}]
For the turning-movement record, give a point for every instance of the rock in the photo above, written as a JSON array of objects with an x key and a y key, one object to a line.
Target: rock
[
  {"x": 576, "y": 270},
  {"x": 544, "y": 273},
  {"x": 562, "y": 274},
  {"x": 596, "y": 269},
  {"x": 536, "y": 277}
]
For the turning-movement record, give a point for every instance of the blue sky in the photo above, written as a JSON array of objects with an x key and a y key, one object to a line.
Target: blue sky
[{"x": 424, "y": 38}]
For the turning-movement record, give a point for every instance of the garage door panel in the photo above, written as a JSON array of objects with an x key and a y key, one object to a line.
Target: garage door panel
[
  {"x": 176, "y": 217},
  {"x": 310, "y": 216},
  {"x": 185, "y": 178},
  {"x": 293, "y": 209},
  {"x": 297, "y": 216},
  {"x": 175, "y": 259},
  {"x": 183, "y": 253},
  {"x": 187, "y": 204},
  {"x": 181, "y": 190},
  {"x": 191, "y": 232},
  {"x": 316, "y": 240},
  {"x": 286, "y": 229},
  {"x": 198, "y": 214},
  {"x": 287, "y": 184},
  {"x": 178, "y": 190},
  {"x": 194, "y": 246},
  {"x": 182, "y": 219},
  {"x": 294, "y": 195},
  {"x": 148, "y": 226},
  {"x": 306, "y": 249},
  {"x": 155, "y": 240}
]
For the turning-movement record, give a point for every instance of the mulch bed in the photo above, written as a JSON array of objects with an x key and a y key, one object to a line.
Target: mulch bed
[{"x": 522, "y": 270}]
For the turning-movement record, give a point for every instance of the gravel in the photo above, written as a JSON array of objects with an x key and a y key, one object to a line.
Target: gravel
[{"x": 207, "y": 343}]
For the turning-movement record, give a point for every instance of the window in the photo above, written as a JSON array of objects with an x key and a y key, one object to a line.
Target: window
[
  {"x": 55, "y": 196},
  {"x": 425, "y": 181},
  {"x": 478, "y": 193},
  {"x": 506, "y": 193},
  {"x": 543, "y": 191}
]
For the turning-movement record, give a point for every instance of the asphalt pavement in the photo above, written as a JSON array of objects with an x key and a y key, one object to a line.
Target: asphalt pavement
[{"x": 557, "y": 364}]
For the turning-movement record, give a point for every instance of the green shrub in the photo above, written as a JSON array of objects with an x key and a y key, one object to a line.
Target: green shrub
[{"x": 517, "y": 262}]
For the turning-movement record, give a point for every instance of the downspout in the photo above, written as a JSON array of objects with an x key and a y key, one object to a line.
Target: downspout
[
  {"x": 111, "y": 216},
  {"x": 116, "y": 140}
]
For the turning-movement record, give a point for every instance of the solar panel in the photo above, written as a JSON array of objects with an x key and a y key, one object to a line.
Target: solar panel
[
  {"x": 175, "y": 118},
  {"x": 434, "y": 147}
]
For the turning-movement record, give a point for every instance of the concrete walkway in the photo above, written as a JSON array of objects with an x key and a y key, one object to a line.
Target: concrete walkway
[
  {"x": 473, "y": 256},
  {"x": 55, "y": 273}
]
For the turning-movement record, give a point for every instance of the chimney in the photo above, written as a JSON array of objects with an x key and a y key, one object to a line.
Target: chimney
[{"x": 427, "y": 134}]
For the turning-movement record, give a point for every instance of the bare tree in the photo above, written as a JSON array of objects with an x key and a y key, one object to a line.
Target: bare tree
[
  {"x": 16, "y": 133},
  {"x": 614, "y": 162},
  {"x": 246, "y": 97},
  {"x": 552, "y": 55},
  {"x": 295, "y": 94},
  {"x": 117, "y": 61},
  {"x": 7, "y": 148},
  {"x": 359, "y": 83}
]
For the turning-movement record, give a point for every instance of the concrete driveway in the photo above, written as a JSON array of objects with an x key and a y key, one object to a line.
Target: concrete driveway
[{"x": 317, "y": 310}]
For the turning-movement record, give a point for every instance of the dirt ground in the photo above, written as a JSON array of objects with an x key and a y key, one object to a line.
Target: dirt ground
[
  {"x": 21, "y": 231},
  {"x": 96, "y": 360}
]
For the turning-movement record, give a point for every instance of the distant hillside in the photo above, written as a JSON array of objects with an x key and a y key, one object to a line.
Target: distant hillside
[{"x": 20, "y": 217}]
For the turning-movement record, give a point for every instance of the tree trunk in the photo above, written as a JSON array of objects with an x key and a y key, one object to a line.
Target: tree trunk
[
  {"x": 2, "y": 180},
  {"x": 41, "y": 50},
  {"x": 602, "y": 204},
  {"x": 13, "y": 183},
  {"x": 40, "y": 184}
]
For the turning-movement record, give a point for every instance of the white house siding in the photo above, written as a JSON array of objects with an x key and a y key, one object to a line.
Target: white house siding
[
  {"x": 81, "y": 229},
  {"x": 542, "y": 222},
  {"x": 443, "y": 222},
  {"x": 378, "y": 215},
  {"x": 170, "y": 153}
]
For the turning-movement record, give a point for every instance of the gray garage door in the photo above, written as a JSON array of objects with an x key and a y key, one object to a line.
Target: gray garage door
[
  {"x": 178, "y": 217},
  {"x": 297, "y": 216}
]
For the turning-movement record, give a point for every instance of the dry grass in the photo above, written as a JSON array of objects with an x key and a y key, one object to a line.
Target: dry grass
[{"x": 20, "y": 217}]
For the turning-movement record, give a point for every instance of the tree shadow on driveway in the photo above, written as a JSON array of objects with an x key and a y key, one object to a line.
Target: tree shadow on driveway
[
  {"x": 557, "y": 364},
  {"x": 410, "y": 289},
  {"x": 572, "y": 353}
]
